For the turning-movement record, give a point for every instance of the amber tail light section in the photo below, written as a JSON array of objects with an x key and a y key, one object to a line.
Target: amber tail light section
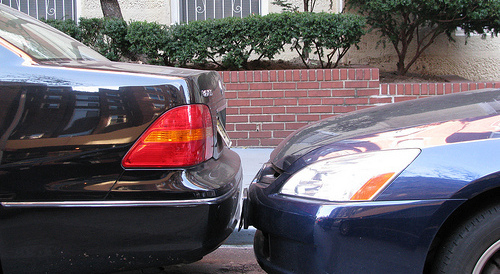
[{"x": 181, "y": 137}]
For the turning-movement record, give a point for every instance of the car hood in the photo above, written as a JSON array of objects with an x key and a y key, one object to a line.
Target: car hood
[{"x": 419, "y": 123}]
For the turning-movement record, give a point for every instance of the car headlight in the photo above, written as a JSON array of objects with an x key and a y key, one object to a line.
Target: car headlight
[{"x": 354, "y": 177}]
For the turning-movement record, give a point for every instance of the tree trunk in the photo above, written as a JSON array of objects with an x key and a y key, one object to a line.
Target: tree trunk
[{"x": 111, "y": 9}]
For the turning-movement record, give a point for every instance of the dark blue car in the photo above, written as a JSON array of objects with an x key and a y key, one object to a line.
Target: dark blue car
[{"x": 410, "y": 187}]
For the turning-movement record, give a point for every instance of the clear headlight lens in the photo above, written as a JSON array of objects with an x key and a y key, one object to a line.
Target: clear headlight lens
[{"x": 354, "y": 177}]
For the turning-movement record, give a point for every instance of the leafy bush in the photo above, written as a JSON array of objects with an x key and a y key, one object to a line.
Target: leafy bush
[
  {"x": 228, "y": 43},
  {"x": 149, "y": 39},
  {"x": 325, "y": 34},
  {"x": 411, "y": 26}
]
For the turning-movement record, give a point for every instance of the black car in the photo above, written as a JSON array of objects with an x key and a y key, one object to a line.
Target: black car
[
  {"x": 411, "y": 187},
  {"x": 107, "y": 166}
]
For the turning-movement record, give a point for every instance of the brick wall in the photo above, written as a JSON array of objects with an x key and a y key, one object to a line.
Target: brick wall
[{"x": 266, "y": 106}]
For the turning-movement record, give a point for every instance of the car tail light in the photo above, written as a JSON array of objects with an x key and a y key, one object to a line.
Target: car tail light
[{"x": 183, "y": 136}]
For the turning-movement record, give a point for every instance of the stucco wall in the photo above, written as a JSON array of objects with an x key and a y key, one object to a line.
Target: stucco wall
[
  {"x": 477, "y": 59},
  {"x": 150, "y": 10}
]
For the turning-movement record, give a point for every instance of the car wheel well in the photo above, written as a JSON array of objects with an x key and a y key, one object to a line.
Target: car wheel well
[{"x": 462, "y": 213}]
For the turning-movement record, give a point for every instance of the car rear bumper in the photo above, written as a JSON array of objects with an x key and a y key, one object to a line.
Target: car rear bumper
[
  {"x": 119, "y": 233},
  {"x": 305, "y": 236}
]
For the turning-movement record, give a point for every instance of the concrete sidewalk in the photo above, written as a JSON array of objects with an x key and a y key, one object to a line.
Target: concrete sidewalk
[{"x": 252, "y": 160}]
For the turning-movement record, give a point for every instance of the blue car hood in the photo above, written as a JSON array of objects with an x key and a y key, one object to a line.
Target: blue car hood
[{"x": 419, "y": 123}]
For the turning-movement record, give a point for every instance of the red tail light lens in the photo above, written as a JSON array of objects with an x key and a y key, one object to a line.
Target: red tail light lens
[{"x": 183, "y": 136}]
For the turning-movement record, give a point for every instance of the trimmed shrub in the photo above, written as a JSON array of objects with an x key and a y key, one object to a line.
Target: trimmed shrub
[{"x": 228, "y": 43}]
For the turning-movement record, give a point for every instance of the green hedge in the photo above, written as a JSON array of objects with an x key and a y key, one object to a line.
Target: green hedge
[{"x": 229, "y": 43}]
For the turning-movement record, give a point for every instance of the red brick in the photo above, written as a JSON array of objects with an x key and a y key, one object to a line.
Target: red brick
[
  {"x": 273, "y": 110},
  {"x": 384, "y": 89},
  {"x": 231, "y": 94},
  {"x": 249, "y": 94},
  {"x": 351, "y": 74},
  {"x": 343, "y": 74},
  {"x": 266, "y": 75},
  {"x": 295, "y": 93},
  {"x": 308, "y": 118},
  {"x": 271, "y": 142},
  {"x": 283, "y": 118},
  {"x": 273, "y": 76},
  {"x": 226, "y": 76},
  {"x": 281, "y": 76},
  {"x": 344, "y": 92},
  {"x": 374, "y": 84},
  {"x": 319, "y": 93},
  {"x": 288, "y": 75},
  {"x": 232, "y": 110},
  {"x": 261, "y": 86},
  {"x": 251, "y": 110},
  {"x": 375, "y": 74},
  {"x": 380, "y": 100},
  {"x": 273, "y": 126},
  {"x": 296, "y": 74},
  {"x": 321, "y": 109},
  {"x": 332, "y": 101},
  {"x": 229, "y": 127},
  {"x": 329, "y": 74},
  {"x": 393, "y": 89},
  {"x": 408, "y": 89},
  {"x": 246, "y": 127},
  {"x": 237, "y": 119},
  {"x": 238, "y": 102},
  {"x": 432, "y": 89},
  {"x": 248, "y": 76},
  {"x": 238, "y": 135},
  {"x": 237, "y": 86},
  {"x": 343, "y": 109},
  {"x": 424, "y": 89},
  {"x": 285, "y": 102},
  {"x": 234, "y": 76},
  {"x": 262, "y": 102},
  {"x": 368, "y": 92},
  {"x": 307, "y": 85},
  {"x": 356, "y": 101},
  {"x": 320, "y": 75},
  {"x": 242, "y": 77},
  {"x": 448, "y": 88},
  {"x": 335, "y": 75},
  {"x": 257, "y": 76},
  {"x": 290, "y": 110},
  {"x": 260, "y": 118},
  {"x": 312, "y": 75},
  {"x": 332, "y": 84},
  {"x": 273, "y": 94},
  {"x": 282, "y": 134},
  {"x": 260, "y": 134},
  {"x": 356, "y": 84},
  {"x": 440, "y": 89},
  {"x": 295, "y": 126},
  {"x": 284, "y": 86},
  {"x": 309, "y": 101}
]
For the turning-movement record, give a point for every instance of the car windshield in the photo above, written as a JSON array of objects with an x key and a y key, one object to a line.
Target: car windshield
[{"x": 39, "y": 40}]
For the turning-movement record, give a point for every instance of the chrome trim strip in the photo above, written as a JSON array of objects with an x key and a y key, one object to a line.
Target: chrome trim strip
[{"x": 177, "y": 203}]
